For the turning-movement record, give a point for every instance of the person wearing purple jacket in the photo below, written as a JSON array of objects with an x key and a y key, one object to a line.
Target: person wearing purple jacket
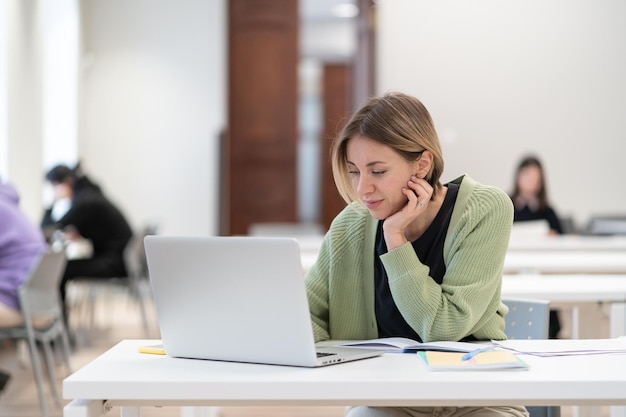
[{"x": 20, "y": 242}]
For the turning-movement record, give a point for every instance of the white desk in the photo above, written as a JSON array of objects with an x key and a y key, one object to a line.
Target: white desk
[
  {"x": 565, "y": 262},
  {"x": 556, "y": 260},
  {"x": 574, "y": 289},
  {"x": 567, "y": 243},
  {"x": 125, "y": 378}
]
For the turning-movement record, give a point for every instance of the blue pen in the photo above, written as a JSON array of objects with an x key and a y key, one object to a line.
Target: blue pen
[{"x": 470, "y": 355}]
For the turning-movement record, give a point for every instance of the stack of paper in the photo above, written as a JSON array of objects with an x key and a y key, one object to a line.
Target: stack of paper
[
  {"x": 564, "y": 347},
  {"x": 405, "y": 345}
]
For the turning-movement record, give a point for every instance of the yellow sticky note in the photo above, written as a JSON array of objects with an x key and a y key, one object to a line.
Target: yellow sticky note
[{"x": 152, "y": 349}]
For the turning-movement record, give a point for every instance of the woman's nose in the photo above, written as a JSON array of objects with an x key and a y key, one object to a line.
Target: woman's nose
[{"x": 364, "y": 186}]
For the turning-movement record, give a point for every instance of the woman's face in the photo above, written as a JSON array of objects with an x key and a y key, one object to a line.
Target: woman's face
[
  {"x": 529, "y": 180},
  {"x": 62, "y": 190},
  {"x": 378, "y": 174}
]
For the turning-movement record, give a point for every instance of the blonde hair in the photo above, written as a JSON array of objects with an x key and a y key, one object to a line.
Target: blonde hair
[{"x": 396, "y": 120}]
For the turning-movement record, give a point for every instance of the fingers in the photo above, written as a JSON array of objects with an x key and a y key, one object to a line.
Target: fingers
[{"x": 421, "y": 190}]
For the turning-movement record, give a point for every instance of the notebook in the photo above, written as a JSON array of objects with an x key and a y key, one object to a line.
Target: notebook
[{"x": 240, "y": 299}]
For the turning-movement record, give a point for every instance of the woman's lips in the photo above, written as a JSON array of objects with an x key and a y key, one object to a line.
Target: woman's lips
[{"x": 372, "y": 204}]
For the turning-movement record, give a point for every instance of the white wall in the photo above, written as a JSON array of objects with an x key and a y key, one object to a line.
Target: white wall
[
  {"x": 24, "y": 103},
  {"x": 152, "y": 106},
  {"x": 502, "y": 78},
  {"x": 61, "y": 46},
  {"x": 4, "y": 99}
]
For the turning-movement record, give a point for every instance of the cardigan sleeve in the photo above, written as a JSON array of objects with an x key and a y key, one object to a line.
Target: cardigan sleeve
[
  {"x": 469, "y": 297},
  {"x": 340, "y": 285},
  {"x": 317, "y": 293}
]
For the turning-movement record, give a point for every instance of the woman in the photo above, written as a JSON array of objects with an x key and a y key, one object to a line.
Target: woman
[
  {"x": 530, "y": 196},
  {"x": 90, "y": 215},
  {"x": 530, "y": 200},
  {"x": 409, "y": 256}
]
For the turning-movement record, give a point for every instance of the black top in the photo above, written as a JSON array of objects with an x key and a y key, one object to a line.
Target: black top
[
  {"x": 98, "y": 220},
  {"x": 548, "y": 214},
  {"x": 429, "y": 249}
]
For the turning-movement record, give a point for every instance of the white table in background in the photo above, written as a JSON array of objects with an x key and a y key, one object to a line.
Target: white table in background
[
  {"x": 568, "y": 243},
  {"x": 565, "y": 262},
  {"x": 577, "y": 288}
]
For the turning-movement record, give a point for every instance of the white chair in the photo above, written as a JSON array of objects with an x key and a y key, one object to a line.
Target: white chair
[
  {"x": 529, "y": 319},
  {"x": 40, "y": 304}
]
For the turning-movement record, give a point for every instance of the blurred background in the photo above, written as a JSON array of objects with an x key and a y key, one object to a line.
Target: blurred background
[{"x": 207, "y": 116}]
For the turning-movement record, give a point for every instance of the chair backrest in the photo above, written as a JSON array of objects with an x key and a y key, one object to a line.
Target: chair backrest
[
  {"x": 530, "y": 319},
  {"x": 39, "y": 294},
  {"x": 135, "y": 253},
  {"x": 527, "y": 318}
]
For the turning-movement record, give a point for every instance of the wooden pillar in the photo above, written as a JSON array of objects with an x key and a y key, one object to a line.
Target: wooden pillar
[
  {"x": 337, "y": 109},
  {"x": 262, "y": 120}
]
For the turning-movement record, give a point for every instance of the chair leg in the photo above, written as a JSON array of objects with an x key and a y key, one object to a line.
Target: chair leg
[
  {"x": 34, "y": 356},
  {"x": 65, "y": 347},
  {"x": 135, "y": 290},
  {"x": 79, "y": 313},
  {"x": 52, "y": 376}
]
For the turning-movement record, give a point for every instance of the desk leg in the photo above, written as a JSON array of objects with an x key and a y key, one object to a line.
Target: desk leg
[
  {"x": 127, "y": 411},
  {"x": 618, "y": 328},
  {"x": 617, "y": 411},
  {"x": 618, "y": 319},
  {"x": 575, "y": 322},
  {"x": 588, "y": 411},
  {"x": 199, "y": 411}
]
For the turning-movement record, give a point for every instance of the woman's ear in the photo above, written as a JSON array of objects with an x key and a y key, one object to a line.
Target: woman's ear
[{"x": 424, "y": 164}]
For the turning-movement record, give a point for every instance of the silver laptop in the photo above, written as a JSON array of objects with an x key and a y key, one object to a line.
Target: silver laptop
[{"x": 240, "y": 299}]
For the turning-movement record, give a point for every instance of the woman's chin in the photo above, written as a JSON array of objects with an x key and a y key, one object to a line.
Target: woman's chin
[{"x": 379, "y": 214}]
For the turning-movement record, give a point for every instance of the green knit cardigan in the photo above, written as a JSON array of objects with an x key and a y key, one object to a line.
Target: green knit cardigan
[{"x": 340, "y": 285}]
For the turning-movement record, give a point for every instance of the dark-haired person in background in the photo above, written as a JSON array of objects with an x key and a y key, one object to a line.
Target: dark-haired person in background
[
  {"x": 530, "y": 201},
  {"x": 90, "y": 215},
  {"x": 530, "y": 197}
]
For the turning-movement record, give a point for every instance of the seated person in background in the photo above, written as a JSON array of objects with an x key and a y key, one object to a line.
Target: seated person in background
[
  {"x": 409, "y": 256},
  {"x": 4, "y": 379},
  {"x": 530, "y": 197},
  {"x": 91, "y": 216},
  {"x": 530, "y": 200},
  {"x": 21, "y": 241}
]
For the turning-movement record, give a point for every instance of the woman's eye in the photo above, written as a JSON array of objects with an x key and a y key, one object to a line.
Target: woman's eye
[
  {"x": 352, "y": 172},
  {"x": 378, "y": 172}
]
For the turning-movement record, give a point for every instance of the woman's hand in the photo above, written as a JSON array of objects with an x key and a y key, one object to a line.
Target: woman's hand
[{"x": 396, "y": 227}]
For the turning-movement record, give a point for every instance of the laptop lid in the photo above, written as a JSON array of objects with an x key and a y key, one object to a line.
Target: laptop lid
[{"x": 239, "y": 299}]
